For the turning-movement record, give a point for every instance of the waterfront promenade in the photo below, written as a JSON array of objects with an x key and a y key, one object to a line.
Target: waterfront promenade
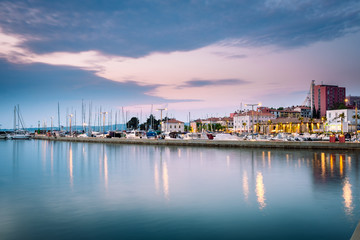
[{"x": 214, "y": 143}]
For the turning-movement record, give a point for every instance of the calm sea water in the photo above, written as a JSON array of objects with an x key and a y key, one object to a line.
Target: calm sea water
[{"x": 61, "y": 190}]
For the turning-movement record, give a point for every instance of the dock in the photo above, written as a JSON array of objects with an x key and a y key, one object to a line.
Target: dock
[
  {"x": 213, "y": 143},
  {"x": 356, "y": 234}
]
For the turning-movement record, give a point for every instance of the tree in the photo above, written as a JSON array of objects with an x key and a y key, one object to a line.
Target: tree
[
  {"x": 270, "y": 127},
  {"x": 142, "y": 126},
  {"x": 152, "y": 123},
  {"x": 133, "y": 123},
  {"x": 301, "y": 123},
  {"x": 338, "y": 105},
  {"x": 323, "y": 120},
  {"x": 187, "y": 128},
  {"x": 342, "y": 117},
  {"x": 311, "y": 125}
]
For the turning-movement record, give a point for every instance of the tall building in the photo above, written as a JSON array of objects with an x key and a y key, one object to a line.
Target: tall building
[{"x": 327, "y": 97}]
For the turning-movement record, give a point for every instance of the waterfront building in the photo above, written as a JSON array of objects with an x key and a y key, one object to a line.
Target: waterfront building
[
  {"x": 327, "y": 97},
  {"x": 341, "y": 120},
  {"x": 194, "y": 124},
  {"x": 291, "y": 125},
  {"x": 172, "y": 125},
  {"x": 281, "y": 113},
  {"x": 225, "y": 122},
  {"x": 247, "y": 120},
  {"x": 304, "y": 111}
]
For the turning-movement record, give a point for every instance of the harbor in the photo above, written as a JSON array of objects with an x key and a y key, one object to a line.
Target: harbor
[{"x": 213, "y": 143}]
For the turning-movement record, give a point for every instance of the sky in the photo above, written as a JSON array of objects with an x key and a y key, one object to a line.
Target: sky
[{"x": 207, "y": 58}]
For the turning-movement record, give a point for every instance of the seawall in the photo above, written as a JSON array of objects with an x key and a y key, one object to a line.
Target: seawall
[{"x": 213, "y": 143}]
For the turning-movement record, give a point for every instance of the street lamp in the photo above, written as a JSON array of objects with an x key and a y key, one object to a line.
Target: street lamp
[
  {"x": 70, "y": 122},
  {"x": 161, "y": 122},
  {"x": 51, "y": 124},
  {"x": 356, "y": 119},
  {"x": 103, "y": 113},
  {"x": 252, "y": 114}
]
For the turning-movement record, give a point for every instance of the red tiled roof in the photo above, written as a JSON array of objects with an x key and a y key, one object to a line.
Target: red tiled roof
[
  {"x": 250, "y": 113},
  {"x": 173, "y": 121}
]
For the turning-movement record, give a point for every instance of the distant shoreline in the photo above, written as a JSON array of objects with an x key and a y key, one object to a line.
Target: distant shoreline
[{"x": 213, "y": 143}]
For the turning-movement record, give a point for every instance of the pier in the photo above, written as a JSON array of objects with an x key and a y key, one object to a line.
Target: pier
[{"x": 213, "y": 143}]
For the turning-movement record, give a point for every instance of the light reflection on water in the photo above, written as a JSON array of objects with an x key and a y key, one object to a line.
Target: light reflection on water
[
  {"x": 260, "y": 191},
  {"x": 82, "y": 189}
]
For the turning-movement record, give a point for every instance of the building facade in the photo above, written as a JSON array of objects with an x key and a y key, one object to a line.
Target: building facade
[
  {"x": 327, "y": 97},
  {"x": 304, "y": 111},
  {"x": 246, "y": 121},
  {"x": 226, "y": 122},
  {"x": 341, "y": 120},
  {"x": 172, "y": 125}
]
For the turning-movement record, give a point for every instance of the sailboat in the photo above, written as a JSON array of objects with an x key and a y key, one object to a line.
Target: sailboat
[{"x": 19, "y": 133}]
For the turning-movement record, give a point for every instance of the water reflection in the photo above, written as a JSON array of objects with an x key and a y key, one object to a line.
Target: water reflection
[
  {"x": 156, "y": 178},
  {"x": 260, "y": 190},
  {"x": 341, "y": 164},
  {"x": 71, "y": 164},
  {"x": 246, "y": 186},
  {"x": 105, "y": 169},
  {"x": 161, "y": 176},
  {"x": 196, "y": 180},
  {"x": 347, "y": 195},
  {"x": 165, "y": 178}
]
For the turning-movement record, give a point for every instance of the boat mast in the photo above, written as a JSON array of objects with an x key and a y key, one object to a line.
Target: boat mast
[
  {"x": 18, "y": 117},
  {"x": 14, "y": 117},
  {"x": 82, "y": 114},
  {"x": 116, "y": 113},
  {"x": 59, "y": 114},
  {"x": 89, "y": 128}
]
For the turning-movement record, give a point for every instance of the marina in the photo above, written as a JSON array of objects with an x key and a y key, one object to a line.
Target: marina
[
  {"x": 213, "y": 143},
  {"x": 179, "y": 120}
]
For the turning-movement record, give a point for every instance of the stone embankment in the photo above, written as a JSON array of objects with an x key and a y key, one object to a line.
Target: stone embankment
[{"x": 213, "y": 143}]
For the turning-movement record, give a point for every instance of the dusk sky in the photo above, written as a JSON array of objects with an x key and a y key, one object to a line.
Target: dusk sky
[{"x": 202, "y": 57}]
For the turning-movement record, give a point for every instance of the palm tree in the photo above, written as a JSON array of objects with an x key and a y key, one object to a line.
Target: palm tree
[
  {"x": 269, "y": 122},
  {"x": 342, "y": 117},
  {"x": 323, "y": 120},
  {"x": 356, "y": 117},
  {"x": 301, "y": 123},
  {"x": 311, "y": 125}
]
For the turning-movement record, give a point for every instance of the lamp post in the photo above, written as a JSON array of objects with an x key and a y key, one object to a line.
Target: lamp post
[
  {"x": 356, "y": 119},
  {"x": 70, "y": 123},
  {"x": 161, "y": 121},
  {"x": 252, "y": 115},
  {"x": 51, "y": 125},
  {"x": 103, "y": 113}
]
